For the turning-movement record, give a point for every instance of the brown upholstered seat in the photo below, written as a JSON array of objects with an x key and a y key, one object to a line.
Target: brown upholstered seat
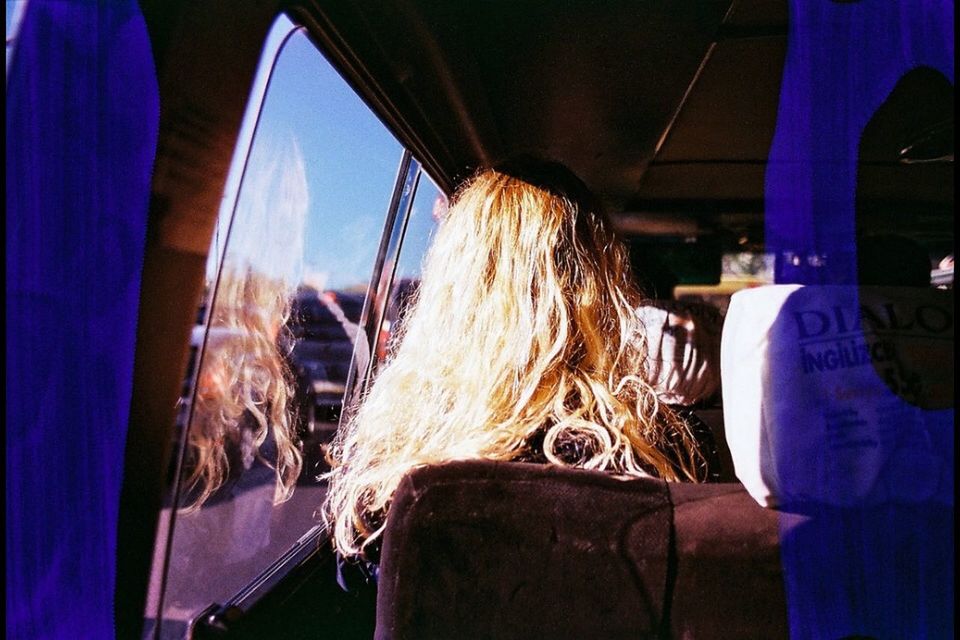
[{"x": 480, "y": 549}]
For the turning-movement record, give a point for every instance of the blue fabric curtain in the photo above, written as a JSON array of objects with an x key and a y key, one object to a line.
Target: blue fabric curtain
[
  {"x": 82, "y": 120},
  {"x": 883, "y": 571},
  {"x": 843, "y": 60}
]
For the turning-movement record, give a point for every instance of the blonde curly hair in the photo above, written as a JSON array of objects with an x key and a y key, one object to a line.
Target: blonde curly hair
[
  {"x": 523, "y": 343},
  {"x": 245, "y": 390}
]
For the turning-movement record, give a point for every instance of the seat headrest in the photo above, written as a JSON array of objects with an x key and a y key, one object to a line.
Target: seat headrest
[
  {"x": 840, "y": 395},
  {"x": 683, "y": 357}
]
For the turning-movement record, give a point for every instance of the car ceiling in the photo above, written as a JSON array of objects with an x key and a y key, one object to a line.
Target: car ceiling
[{"x": 666, "y": 108}]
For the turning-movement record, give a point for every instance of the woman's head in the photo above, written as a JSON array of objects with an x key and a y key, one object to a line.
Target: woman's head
[{"x": 523, "y": 342}]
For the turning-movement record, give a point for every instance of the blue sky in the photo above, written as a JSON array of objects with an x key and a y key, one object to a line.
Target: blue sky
[
  {"x": 12, "y": 7},
  {"x": 350, "y": 162},
  {"x": 11, "y": 4}
]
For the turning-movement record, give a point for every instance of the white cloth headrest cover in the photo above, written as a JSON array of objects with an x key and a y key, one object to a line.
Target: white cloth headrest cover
[
  {"x": 683, "y": 350},
  {"x": 822, "y": 407}
]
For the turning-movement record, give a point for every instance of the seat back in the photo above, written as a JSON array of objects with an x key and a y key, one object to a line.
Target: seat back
[
  {"x": 840, "y": 395},
  {"x": 481, "y": 549},
  {"x": 838, "y": 404}
]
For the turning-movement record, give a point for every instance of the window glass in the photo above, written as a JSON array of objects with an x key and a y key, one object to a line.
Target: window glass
[
  {"x": 287, "y": 279},
  {"x": 429, "y": 206},
  {"x": 14, "y": 16},
  {"x": 742, "y": 270}
]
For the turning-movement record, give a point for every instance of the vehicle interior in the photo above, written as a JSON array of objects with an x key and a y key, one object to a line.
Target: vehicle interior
[{"x": 743, "y": 146}]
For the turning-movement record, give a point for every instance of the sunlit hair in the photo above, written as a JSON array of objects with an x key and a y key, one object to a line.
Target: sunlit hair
[
  {"x": 245, "y": 387},
  {"x": 523, "y": 343}
]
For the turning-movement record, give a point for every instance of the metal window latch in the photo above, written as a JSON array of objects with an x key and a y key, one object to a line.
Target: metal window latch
[{"x": 214, "y": 622}]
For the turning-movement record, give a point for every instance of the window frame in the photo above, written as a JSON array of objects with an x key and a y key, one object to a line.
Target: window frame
[
  {"x": 406, "y": 184},
  {"x": 309, "y": 545},
  {"x": 279, "y": 32}
]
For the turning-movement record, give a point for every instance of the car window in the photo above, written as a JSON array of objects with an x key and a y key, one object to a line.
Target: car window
[
  {"x": 278, "y": 328},
  {"x": 14, "y": 16},
  {"x": 740, "y": 270},
  {"x": 428, "y": 208}
]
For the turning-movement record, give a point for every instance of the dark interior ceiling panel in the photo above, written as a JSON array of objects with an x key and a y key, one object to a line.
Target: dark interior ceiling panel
[
  {"x": 591, "y": 88},
  {"x": 591, "y": 85},
  {"x": 713, "y": 157},
  {"x": 731, "y": 112},
  {"x": 707, "y": 182},
  {"x": 757, "y": 16},
  {"x": 660, "y": 105},
  {"x": 905, "y": 171},
  {"x": 917, "y": 115}
]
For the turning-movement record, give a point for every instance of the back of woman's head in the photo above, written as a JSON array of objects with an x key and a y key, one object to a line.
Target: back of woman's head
[{"x": 523, "y": 343}]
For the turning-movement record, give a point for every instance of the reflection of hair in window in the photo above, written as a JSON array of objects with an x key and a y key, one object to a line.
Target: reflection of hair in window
[
  {"x": 244, "y": 389},
  {"x": 893, "y": 261},
  {"x": 244, "y": 409},
  {"x": 522, "y": 343}
]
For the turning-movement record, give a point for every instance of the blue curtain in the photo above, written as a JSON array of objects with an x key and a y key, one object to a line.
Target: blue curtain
[
  {"x": 843, "y": 60},
  {"x": 884, "y": 571},
  {"x": 82, "y": 120}
]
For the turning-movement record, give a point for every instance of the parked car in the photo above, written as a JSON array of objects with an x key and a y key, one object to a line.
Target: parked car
[{"x": 324, "y": 328}]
